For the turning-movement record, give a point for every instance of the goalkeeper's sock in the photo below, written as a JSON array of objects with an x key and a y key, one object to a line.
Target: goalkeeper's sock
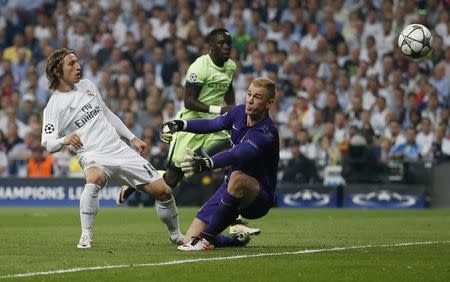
[
  {"x": 89, "y": 206},
  {"x": 225, "y": 214},
  {"x": 168, "y": 213},
  {"x": 222, "y": 240}
]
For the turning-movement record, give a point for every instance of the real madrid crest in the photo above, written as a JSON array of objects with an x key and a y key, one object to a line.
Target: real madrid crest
[{"x": 90, "y": 92}]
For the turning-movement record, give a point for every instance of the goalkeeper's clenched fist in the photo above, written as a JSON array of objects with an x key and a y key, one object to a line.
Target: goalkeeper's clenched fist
[
  {"x": 169, "y": 128},
  {"x": 193, "y": 164}
]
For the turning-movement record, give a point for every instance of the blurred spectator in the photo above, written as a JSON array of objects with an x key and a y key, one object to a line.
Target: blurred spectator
[
  {"x": 312, "y": 37},
  {"x": 441, "y": 82},
  {"x": 301, "y": 167},
  {"x": 437, "y": 147},
  {"x": 331, "y": 108},
  {"x": 432, "y": 109},
  {"x": 425, "y": 139},
  {"x": 3, "y": 157},
  {"x": 75, "y": 170},
  {"x": 168, "y": 112},
  {"x": 40, "y": 164},
  {"x": 408, "y": 151},
  {"x": 3, "y": 164},
  {"x": 129, "y": 119},
  {"x": 378, "y": 119},
  {"x": 340, "y": 128},
  {"x": 360, "y": 164},
  {"x": 10, "y": 118},
  {"x": 152, "y": 112},
  {"x": 394, "y": 133},
  {"x": 27, "y": 108},
  {"x": 11, "y": 53}
]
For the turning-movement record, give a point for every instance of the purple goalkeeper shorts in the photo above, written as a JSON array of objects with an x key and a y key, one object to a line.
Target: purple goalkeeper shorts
[{"x": 257, "y": 209}]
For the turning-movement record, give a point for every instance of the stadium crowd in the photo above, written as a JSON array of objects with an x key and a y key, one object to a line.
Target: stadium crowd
[{"x": 345, "y": 93}]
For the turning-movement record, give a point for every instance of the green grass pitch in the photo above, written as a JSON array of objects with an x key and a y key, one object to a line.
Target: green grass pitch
[{"x": 44, "y": 240}]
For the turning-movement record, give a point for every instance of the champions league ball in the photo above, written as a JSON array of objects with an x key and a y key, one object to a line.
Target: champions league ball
[{"x": 415, "y": 41}]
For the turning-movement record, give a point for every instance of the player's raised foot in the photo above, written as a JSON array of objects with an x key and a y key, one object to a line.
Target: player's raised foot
[
  {"x": 197, "y": 244},
  {"x": 240, "y": 226},
  {"x": 85, "y": 241},
  {"x": 124, "y": 193},
  {"x": 177, "y": 239},
  {"x": 243, "y": 238}
]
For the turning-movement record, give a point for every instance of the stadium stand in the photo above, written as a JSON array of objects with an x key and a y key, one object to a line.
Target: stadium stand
[{"x": 336, "y": 64}]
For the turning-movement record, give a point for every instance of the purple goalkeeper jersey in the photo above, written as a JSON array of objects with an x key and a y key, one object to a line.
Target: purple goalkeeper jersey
[{"x": 255, "y": 148}]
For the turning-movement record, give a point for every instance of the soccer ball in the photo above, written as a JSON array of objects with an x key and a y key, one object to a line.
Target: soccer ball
[{"x": 415, "y": 41}]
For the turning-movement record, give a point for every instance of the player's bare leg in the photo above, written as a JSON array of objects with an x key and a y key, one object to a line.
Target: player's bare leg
[
  {"x": 196, "y": 227},
  {"x": 171, "y": 176}
]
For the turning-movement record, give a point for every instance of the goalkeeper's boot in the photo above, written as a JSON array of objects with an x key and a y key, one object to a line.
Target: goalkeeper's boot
[
  {"x": 240, "y": 226},
  {"x": 243, "y": 238},
  {"x": 85, "y": 241},
  {"x": 124, "y": 193},
  {"x": 197, "y": 244}
]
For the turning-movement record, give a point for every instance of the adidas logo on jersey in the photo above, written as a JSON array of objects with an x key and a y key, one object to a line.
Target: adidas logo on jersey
[{"x": 71, "y": 109}]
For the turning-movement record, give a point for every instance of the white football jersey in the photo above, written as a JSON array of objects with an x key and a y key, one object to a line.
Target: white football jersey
[{"x": 81, "y": 111}]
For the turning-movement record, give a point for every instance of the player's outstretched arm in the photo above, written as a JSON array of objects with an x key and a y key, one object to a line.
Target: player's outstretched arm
[{"x": 199, "y": 125}]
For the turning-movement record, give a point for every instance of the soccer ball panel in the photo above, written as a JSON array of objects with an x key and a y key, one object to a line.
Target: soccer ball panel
[
  {"x": 400, "y": 40},
  {"x": 406, "y": 50},
  {"x": 425, "y": 51},
  {"x": 416, "y": 35},
  {"x": 407, "y": 30},
  {"x": 416, "y": 46}
]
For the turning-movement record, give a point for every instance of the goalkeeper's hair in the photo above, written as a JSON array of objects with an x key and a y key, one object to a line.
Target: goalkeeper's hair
[
  {"x": 212, "y": 35},
  {"x": 55, "y": 63},
  {"x": 265, "y": 83}
]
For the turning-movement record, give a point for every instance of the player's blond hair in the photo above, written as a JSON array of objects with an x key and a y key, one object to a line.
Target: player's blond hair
[
  {"x": 265, "y": 83},
  {"x": 54, "y": 66}
]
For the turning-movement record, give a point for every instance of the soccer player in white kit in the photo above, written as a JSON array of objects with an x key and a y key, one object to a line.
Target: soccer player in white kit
[{"x": 76, "y": 116}]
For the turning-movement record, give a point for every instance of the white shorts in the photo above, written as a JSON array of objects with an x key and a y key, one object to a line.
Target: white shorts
[{"x": 124, "y": 165}]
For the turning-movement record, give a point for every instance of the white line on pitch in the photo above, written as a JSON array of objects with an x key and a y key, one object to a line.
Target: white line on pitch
[{"x": 174, "y": 262}]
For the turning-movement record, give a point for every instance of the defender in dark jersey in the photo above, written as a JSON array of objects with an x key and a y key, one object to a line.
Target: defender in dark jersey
[{"x": 249, "y": 189}]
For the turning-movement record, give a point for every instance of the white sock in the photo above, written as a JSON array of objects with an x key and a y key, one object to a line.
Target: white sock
[
  {"x": 168, "y": 213},
  {"x": 89, "y": 207}
]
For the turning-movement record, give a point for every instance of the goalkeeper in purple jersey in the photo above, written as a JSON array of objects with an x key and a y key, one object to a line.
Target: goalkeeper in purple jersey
[{"x": 249, "y": 188}]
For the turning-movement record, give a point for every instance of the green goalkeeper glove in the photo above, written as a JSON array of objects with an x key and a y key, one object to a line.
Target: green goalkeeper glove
[
  {"x": 169, "y": 128},
  {"x": 193, "y": 164}
]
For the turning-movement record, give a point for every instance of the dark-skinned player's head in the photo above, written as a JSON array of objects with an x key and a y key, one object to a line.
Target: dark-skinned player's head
[{"x": 219, "y": 41}]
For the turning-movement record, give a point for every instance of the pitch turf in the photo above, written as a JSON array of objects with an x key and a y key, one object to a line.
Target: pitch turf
[{"x": 44, "y": 239}]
